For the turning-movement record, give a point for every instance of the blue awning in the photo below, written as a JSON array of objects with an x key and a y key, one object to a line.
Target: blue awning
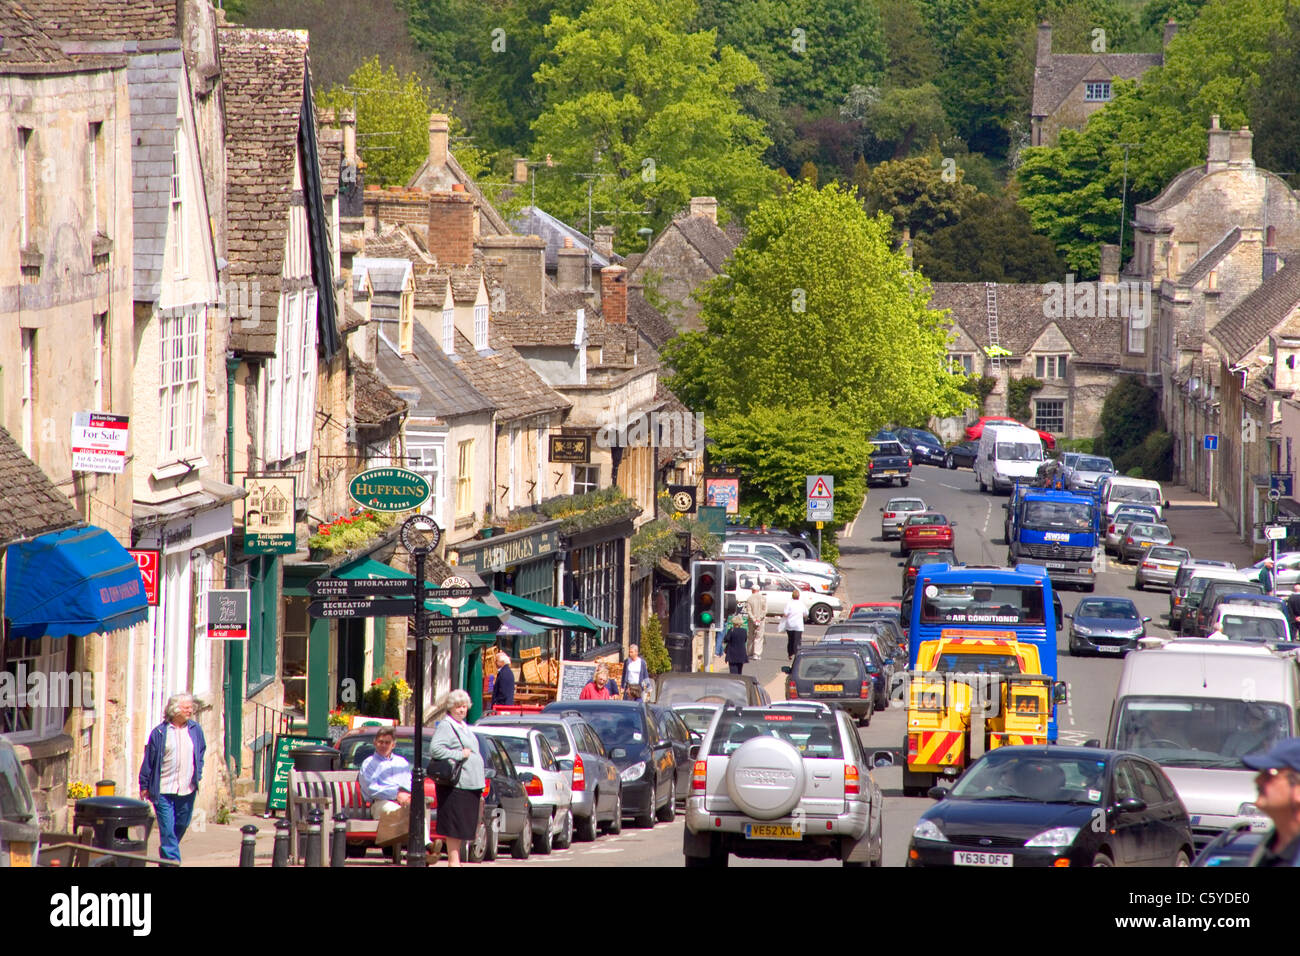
[{"x": 79, "y": 581}]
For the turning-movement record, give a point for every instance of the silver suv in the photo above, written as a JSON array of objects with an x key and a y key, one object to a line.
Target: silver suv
[{"x": 784, "y": 783}]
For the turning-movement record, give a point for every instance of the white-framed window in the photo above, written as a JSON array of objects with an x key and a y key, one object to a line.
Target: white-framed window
[
  {"x": 1049, "y": 415},
  {"x": 585, "y": 478},
  {"x": 94, "y": 147},
  {"x": 1097, "y": 92},
  {"x": 512, "y": 480},
  {"x": 465, "y": 478},
  {"x": 201, "y": 567},
  {"x": 28, "y": 389},
  {"x": 99, "y": 359},
  {"x": 177, "y": 207},
  {"x": 307, "y": 370},
  {"x": 180, "y": 384},
  {"x": 26, "y": 187},
  {"x": 426, "y": 454},
  {"x": 961, "y": 362},
  {"x": 272, "y": 414},
  {"x": 449, "y": 331},
  {"x": 480, "y": 327},
  {"x": 1049, "y": 366},
  {"x": 24, "y": 718},
  {"x": 1137, "y": 332},
  {"x": 406, "y": 323}
]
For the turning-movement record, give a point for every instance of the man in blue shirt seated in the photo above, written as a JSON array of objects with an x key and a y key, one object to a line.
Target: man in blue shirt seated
[{"x": 386, "y": 776}]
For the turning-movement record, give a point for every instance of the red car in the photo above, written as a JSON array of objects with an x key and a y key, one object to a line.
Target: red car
[
  {"x": 927, "y": 530},
  {"x": 974, "y": 431}
]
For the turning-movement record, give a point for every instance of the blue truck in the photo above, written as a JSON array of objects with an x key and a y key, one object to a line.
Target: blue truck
[{"x": 1057, "y": 529}]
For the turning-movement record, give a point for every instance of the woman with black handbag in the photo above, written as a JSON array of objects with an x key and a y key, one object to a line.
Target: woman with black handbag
[{"x": 456, "y": 768}]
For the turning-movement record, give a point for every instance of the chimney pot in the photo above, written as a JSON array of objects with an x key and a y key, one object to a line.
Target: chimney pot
[
  {"x": 1217, "y": 154},
  {"x": 571, "y": 267},
  {"x": 1043, "y": 54},
  {"x": 348, "y": 120},
  {"x": 613, "y": 294},
  {"x": 439, "y": 126},
  {"x": 1109, "y": 272}
]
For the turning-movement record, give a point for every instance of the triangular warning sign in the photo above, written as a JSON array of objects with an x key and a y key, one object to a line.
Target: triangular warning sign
[{"x": 819, "y": 490}]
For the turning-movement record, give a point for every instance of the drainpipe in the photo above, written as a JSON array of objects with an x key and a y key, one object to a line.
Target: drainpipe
[{"x": 234, "y": 649}]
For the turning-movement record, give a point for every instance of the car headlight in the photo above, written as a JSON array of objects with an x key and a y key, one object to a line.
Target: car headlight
[
  {"x": 1057, "y": 836},
  {"x": 1082, "y": 631},
  {"x": 928, "y": 830},
  {"x": 633, "y": 772}
]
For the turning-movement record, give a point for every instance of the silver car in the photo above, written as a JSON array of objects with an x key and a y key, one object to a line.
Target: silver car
[
  {"x": 1159, "y": 566},
  {"x": 895, "y": 514},
  {"x": 1118, "y": 523},
  {"x": 1085, "y": 471},
  {"x": 784, "y": 783},
  {"x": 1140, "y": 537}
]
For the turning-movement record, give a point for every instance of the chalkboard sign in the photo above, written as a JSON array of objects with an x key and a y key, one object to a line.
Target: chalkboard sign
[
  {"x": 574, "y": 675},
  {"x": 277, "y": 797}
]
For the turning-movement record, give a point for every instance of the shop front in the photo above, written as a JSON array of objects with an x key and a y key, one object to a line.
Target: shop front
[{"x": 522, "y": 564}]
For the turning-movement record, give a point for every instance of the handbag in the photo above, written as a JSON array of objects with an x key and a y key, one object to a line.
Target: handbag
[{"x": 444, "y": 771}]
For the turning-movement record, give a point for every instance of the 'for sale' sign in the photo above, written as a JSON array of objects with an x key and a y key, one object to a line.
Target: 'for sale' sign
[{"x": 99, "y": 442}]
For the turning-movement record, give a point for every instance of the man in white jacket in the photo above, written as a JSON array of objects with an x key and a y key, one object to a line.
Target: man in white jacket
[
  {"x": 756, "y": 609},
  {"x": 792, "y": 623}
]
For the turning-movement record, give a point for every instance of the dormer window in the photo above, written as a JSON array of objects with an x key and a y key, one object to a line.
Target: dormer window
[
  {"x": 406, "y": 323},
  {"x": 1098, "y": 92},
  {"x": 449, "y": 331},
  {"x": 177, "y": 204},
  {"x": 480, "y": 327}
]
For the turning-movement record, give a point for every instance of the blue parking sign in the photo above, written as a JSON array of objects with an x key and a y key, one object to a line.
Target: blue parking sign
[{"x": 1211, "y": 442}]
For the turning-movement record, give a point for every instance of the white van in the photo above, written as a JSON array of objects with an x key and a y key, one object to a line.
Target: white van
[
  {"x": 1005, "y": 453},
  {"x": 1196, "y": 707},
  {"x": 1117, "y": 490}
]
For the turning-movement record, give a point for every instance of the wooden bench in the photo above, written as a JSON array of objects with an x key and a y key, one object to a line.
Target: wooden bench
[{"x": 333, "y": 791}]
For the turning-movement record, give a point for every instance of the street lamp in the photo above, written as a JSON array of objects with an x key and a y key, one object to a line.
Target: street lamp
[{"x": 420, "y": 534}]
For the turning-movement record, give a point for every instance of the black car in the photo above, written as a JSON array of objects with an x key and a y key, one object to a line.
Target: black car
[
  {"x": 506, "y": 810},
  {"x": 839, "y": 675},
  {"x": 919, "y": 556},
  {"x": 1055, "y": 806},
  {"x": 1233, "y": 847},
  {"x": 961, "y": 455},
  {"x": 682, "y": 738},
  {"x": 925, "y": 447},
  {"x": 643, "y": 756}
]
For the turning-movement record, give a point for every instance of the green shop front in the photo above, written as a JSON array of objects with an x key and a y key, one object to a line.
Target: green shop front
[{"x": 524, "y": 564}]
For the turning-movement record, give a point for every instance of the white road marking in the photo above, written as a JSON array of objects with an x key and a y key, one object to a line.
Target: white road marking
[
  {"x": 914, "y": 478},
  {"x": 946, "y": 485},
  {"x": 987, "y": 514},
  {"x": 848, "y": 532}
]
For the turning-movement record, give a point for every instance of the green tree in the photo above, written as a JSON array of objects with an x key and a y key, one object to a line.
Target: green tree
[
  {"x": 818, "y": 310},
  {"x": 917, "y": 193},
  {"x": 1130, "y": 413},
  {"x": 897, "y": 119},
  {"x": 632, "y": 97},
  {"x": 1275, "y": 105},
  {"x": 993, "y": 242},
  {"x": 914, "y": 58},
  {"x": 393, "y": 122}
]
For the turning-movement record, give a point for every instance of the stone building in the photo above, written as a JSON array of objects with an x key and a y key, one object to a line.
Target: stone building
[{"x": 1070, "y": 87}]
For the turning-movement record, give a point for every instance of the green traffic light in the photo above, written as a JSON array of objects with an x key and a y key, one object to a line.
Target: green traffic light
[{"x": 706, "y": 617}]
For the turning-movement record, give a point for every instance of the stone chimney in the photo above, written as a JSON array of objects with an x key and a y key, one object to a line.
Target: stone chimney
[
  {"x": 439, "y": 126},
  {"x": 905, "y": 245},
  {"x": 613, "y": 294},
  {"x": 1044, "y": 53},
  {"x": 521, "y": 170},
  {"x": 603, "y": 241},
  {"x": 1171, "y": 30},
  {"x": 452, "y": 227},
  {"x": 348, "y": 120},
  {"x": 705, "y": 206},
  {"x": 571, "y": 267},
  {"x": 524, "y": 272},
  {"x": 1109, "y": 272},
  {"x": 1217, "y": 156},
  {"x": 1240, "y": 147}
]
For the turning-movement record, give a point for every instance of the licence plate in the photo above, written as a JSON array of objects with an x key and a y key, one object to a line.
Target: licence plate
[
  {"x": 968, "y": 858},
  {"x": 927, "y": 534},
  {"x": 1146, "y": 544},
  {"x": 1109, "y": 648},
  {"x": 771, "y": 831},
  {"x": 828, "y": 689},
  {"x": 1056, "y": 566},
  {"x": 890, "y": 472}
]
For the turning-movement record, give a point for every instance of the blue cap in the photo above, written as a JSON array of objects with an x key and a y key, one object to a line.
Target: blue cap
[{"x": 1285, "y": 755}]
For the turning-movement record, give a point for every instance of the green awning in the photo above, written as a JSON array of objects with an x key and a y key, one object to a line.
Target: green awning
[
  {"x": 468, "y": 609},
  {"x": 545, "y": 614},
  {"x": 371, "y": 569},
  {"x": 521, "y": 625}
]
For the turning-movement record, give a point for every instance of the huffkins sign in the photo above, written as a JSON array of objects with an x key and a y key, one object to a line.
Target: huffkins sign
[{"x": 389, "y": 489}]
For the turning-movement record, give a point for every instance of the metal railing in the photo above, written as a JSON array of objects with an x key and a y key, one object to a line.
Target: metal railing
[{"x": 267, "y": 723}]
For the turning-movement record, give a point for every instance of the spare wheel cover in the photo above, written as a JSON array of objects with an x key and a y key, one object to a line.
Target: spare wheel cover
[{"x": 765, "y": 778}]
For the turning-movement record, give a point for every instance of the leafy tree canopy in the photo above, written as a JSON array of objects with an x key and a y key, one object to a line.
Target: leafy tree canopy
[
  {"x": 993, "y": 242},
  {"x": 921, "y": 193}
]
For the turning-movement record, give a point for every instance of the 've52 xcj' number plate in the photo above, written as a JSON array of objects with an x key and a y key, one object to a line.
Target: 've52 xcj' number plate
[{"x": 771, "y": 831}]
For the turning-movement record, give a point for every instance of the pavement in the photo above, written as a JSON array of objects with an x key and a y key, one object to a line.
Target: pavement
[{"x": 1200, "y": 526}]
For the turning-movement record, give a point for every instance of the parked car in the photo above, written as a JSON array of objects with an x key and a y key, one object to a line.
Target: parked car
[
  {"x": 896, "y": 512},
  {"x": 682, "y": 738},
  {"x": 921, "y": 556},
  {"x": 775, "y": 552},
  {"x": 1083, "y": 472},
  {"x": 1257, "y": 625},
  {"x": 1117, "y": 525},
  {"x": 1236, "y": 845},
  {"x": 1198, "y": 624},
  {"x": 644, "y": 758},
  {"x": 976, "y": 431},
  {"x": 926, "y": 447},
  {"x": 1178, "y": 590},
  {"x": 927, "y": 530},
  {"x": 884, "y": 634},
  {"x": 799, "y": 545},
  {"x": 597, "y": 792},
  {"x": 834, "y": 674},
  {"x": 506, "y": 812},
  {"x": 550, "y": 794},
  {"x": 1106, "y": 625},
  {"x": 20, "y": 829},
  {"x": 816, "y": 583},
  {"x": 702, "y": 687},
  {"x": 1160, "y": 566},
  {"x": 874, "y": 609},
  {"x": 784, "y": 783},
  {"x": 961, "y": 455},
  {"x": 697, "y": 716},
  {"x": 1040, "y": 806},
  {"x": 1141, "y": 536},
  {"x": 822, "y": 608}
]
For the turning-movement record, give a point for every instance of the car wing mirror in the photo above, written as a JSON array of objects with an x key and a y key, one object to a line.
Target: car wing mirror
[
  {"x": 938, "y": 793},
  {"x": 1060, "y": 692},
  {"x": 785, "y": 669},
  {"x": 1131, "y": 805},
  {"x": 1092, "y": 742},
  {"x": 565, "y": 764},
  {"x": 1146, "y": 620},
  {"x": 882, "y": 758}
]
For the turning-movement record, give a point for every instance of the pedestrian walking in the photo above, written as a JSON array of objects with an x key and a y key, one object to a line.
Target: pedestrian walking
[
  {"x": 1278, "y": 785},
  {"x": 736, "y": 637},
  {"x": 792, "y": 623},
  {"x": 756, "y": 608},
  {"x": 503, "y": 690},
  {"x": 171, "y": 770},
  {"x": 635, "y": 674},
  {"x": 457, "y": 801}
]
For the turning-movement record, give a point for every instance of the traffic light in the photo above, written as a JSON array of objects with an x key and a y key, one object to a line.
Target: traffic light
[{"x": 706, "y": 594}]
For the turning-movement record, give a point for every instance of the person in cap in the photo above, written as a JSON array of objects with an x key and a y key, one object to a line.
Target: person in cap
[
  {"x": 1278, "y": 785},
  {"x": 735, "y": 640}
]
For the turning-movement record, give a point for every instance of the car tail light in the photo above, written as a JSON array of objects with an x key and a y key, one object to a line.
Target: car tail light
[
  {"x": 534, "y": 787},
  {"x": 791, "y": 691},
  {"x": 909, "y": 463},
  {"x": 851, "y": 788},
  {"x": 698, "y": 775},
  {"x": 866, "y": 690},
  {"x": 579, "y": 774},
  {"x": 1149, "y": 564},
  {"x": 891, "y": 514},
  {"x": 1110, "y": 530}
]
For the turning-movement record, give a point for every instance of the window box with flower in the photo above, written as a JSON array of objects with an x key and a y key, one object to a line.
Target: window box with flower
[{"x": 348, "y": 532}]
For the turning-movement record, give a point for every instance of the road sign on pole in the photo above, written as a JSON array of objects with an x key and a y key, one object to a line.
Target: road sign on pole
[
  {"x": 343, "y": 587},
  {"x": 1211, "y": 442},
  {"x": 821, "y": 497},
  {"x": 363, "y": 607},
  {"x": 451, "y": 588},
  {"x": 1275, "y": 532}
]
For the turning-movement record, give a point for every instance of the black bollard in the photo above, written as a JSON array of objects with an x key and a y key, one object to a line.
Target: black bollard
[
  {"x": 248, "y": 845},
  {"x": 339, "y": 844},
  {"x": 315, "y": 837},
  {"x": 280, "y": 855}
]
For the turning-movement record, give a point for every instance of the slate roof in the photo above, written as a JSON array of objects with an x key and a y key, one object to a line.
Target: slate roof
[
  {"x": 397, "y": 244},
  {"x": 1065, "y": 71},
  {"x": 532, "y": 221},
  {"x": 558, "y": 325},
  {"x": 1251, "y": 320},
  {"x": 265, "y": 75},
  {"x": 1203, "y": 266},
  {"x": 714, "y": 244},
  {"x": 387, "y": 276},
  {"x": 31, "y": 505},
  {"x": 617, "y": 344},
  {"x": 83, "y": 21},
  {"x": 502, "y": 376},
  {"x": 438, "y": 388},
  {"x": 27, "y": 48},
  {"x": 375, "y": 402},
  {"x": 154, "y": 81}
]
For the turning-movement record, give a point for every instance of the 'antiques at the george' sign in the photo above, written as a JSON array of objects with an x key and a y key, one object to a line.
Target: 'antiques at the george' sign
[{"x": 389, "y": 489}]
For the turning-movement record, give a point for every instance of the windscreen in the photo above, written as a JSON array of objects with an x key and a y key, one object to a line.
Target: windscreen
[
  {"x": 1088, "y": 463},
  {"x": 1107, "y": 610},
  {"x": 828, "y": 667},
  {"x": 813, "y": 735},
  {"x": 889, "y": 448},
  {"x": 1240, "y": 627},
  {"x": 1019, "y": 451},
  {"x": 981, "y": 604},
  {"x": 1200, "y": 732},
  {"x": 688, "y": 691},
  {"x": 1057, "y": 516},
  {"x": 1168, "y": 554},
  {"x": 1143, "y": 493},
  {"x": 697, "y": 719},
  {"x": 953, "y": 663},
  {"x": 519, "y": 750},
  {"x": 1039, "y": 778},
  {"x": 617, "y": 728}
]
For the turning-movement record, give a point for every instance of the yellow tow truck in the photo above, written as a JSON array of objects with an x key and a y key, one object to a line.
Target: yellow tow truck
[{"x": 964, "y": 678}]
